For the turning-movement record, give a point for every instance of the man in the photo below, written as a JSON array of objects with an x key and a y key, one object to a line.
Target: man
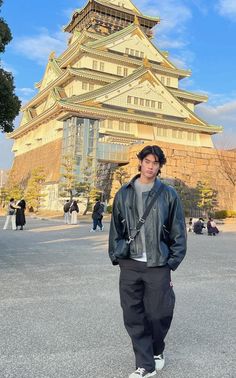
[
  {"x": 97, "y": 215},
  {"x": 198, "y": 226},
  {"x": 11, "y": 215},
  {"x": 66, "y": 209},
  {"x": 146, "y": 292}
]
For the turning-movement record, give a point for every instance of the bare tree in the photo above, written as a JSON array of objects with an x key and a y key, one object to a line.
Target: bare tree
[{"x": 228, "y": 166}]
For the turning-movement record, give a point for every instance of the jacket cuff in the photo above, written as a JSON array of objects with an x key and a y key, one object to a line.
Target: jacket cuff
[
  {"x": 173, "y": 266},
  {"x": 114, "y": 260}
]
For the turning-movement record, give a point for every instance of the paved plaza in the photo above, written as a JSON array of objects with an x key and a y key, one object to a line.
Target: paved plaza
[{"x": 60, "y": 315}]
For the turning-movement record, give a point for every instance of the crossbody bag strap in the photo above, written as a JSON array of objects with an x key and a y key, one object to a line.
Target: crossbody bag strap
[{"x": 146, "y": 212}]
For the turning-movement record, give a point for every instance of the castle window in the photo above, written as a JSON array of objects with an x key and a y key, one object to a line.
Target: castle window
[
  {"x": 131, "y": 52},
  {"x": 142, "y": 54},
  {"x": 159, "y": 105},
  {"x": 168, "y": 81},
  {"x": 137, "y": 53},
  {"x": 119, "y": 70},
  {"x": 127, "y": 51},
  {"x": 121, "y": 126},
  {"x": 141, "y": 101},
  {"x": 174, "y": 133},
  {"x": 147, "y": 103},
  {"x": 129, "y": 100},
  {"x": 135, "y": 100},
  {"x": 163, "y": 79},
  {"x": 189, "y": 136},
  {"x": 84, "y": 85},
  {"x": 153, "y": 104},
  {"x": 125, "y": 71},
  {"x": 101, "y": 66},
  {"x": 127, "y": 127},
  {"x": 95, "y": 65},
  {"x": 91, "y": 86},
  {"x": 110, "y": 124}
]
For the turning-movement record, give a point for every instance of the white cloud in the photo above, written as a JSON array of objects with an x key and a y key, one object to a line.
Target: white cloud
[
  {"x": 201, "y": 6},
  {"x": 227, "y": 8},
  {"x": 38, "y": 48},
  {"x": 172, "y": 32},
  {"x": 26, "y": 91},
  {"x": 8, "y": 68},
  {"x": 25, "y": 94},
  {"x": 222, "y": 115},
  {"x": 167, "y": 11}
]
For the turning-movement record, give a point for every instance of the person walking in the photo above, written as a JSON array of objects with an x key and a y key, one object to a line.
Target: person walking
[
  {"x": 11, "y": 215},
  {"x": 97, "y": 215},
  {"x": 74, "y": 209},
  {"x": 147, "y": 239},
  {"x": 66, "y": 209},
  {"x": 20, "y": 214}
]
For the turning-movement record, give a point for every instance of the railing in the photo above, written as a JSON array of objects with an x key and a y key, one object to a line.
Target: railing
[{"x": 112, "y": 152}]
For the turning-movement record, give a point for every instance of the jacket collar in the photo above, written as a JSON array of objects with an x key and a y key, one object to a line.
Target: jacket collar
[{"x": 155, "y": 187}]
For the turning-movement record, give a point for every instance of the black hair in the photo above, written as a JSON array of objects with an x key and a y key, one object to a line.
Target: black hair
[
  {"x": 12, "y": 199},
  {"x": 152, "y": 150}
]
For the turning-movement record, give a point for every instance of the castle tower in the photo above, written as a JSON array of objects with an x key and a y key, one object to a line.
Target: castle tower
[{"x": 111, "y": 88}]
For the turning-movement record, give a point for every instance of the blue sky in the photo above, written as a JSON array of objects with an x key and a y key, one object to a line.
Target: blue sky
[{"x": 199, "y": 35}]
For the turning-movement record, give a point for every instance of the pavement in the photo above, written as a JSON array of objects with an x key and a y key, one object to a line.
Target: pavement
[{"x": 60, "y": 315}]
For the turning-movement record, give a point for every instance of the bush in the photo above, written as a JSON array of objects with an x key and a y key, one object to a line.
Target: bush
[
  {"x": 222, "y": 214},
  {"x": 109, "y": 209}
]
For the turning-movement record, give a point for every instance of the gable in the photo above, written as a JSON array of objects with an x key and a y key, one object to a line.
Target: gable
[
  {"x": 25, "y": 118},
  {"x": 49, "y": 102},
  {"x": 127, "y": 4},
  {"x": 133, "y": 42},
  {"x": 51, "y": 74},
  {"x": 146, "y": 93},
  {"x": 136, "y": 45}
]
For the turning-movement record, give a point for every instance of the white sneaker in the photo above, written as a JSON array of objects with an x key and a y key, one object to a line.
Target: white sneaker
[
  {"x": 140, "y": 372},
  {"x": 159, "y": 361},
  {"x": 92, "y": 230}
]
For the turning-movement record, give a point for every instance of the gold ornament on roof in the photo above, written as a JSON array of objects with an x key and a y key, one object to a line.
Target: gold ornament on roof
[
  {"x": 52, "y": 55},
  {"x": 136, "y": 20},
  {"x": 146, "y": 63}
]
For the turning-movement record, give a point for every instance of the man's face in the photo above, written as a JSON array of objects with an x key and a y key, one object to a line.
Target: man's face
[{"x": 149, "y": 167}]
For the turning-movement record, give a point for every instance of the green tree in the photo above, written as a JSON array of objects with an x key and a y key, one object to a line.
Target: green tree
[
  {"x": 207, "y": 197},
  {"x": 13, "y": 189},
  {"x": 34, "y": 192},
  {"x": 9, "y": 102},
  {"x": 69, "y": 179}
]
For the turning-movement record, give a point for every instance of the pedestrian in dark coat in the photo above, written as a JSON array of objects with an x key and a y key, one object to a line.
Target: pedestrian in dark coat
[
  {"x": 97, "y": 216},
  {"x": 20, "y": 214},
  {"x": 74, "y": 209}
]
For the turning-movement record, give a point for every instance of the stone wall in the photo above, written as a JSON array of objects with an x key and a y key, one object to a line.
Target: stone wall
[
  {"x": 47, "y": 156},
  {"x": 193, "y": 164}
]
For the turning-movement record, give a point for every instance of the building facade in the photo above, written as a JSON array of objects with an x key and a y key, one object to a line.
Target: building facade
[{"x": 111, "y": 89}]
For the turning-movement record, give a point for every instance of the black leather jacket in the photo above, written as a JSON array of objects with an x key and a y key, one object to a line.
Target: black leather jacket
[{"x": 165, "y": 230}]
